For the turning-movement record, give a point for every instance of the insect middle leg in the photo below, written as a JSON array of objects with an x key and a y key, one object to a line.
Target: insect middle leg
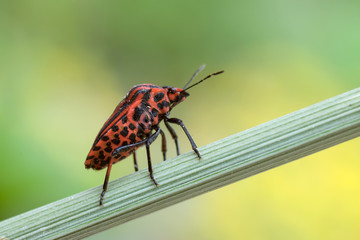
[
  {"x": 135, "y": 162},
  {"x": 149, "y": 162},
  {"x": 150, "y": 139},
  {"x": 163, "y": 144}
]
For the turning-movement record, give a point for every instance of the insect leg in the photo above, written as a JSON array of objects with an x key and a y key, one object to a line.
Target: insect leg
[
  {"x": 149, "y": 161},
  {"x": 163, "y": 144},
  {"x": 173, "y": 135},
  {"x": 135, "y": 162},
  {"x": 106, "y": 182},
  {"x": 146, "y": 141},
  {"x": 150, "y": 140},
  {"x": 119, "y": 150},
  {"x": 179, "y": 122}
]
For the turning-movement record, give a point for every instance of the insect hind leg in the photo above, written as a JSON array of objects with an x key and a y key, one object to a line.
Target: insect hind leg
[{"x": 106, "y": 181}]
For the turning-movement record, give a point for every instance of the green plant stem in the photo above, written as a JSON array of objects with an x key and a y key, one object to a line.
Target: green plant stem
[{"x": 228, "y": 160}]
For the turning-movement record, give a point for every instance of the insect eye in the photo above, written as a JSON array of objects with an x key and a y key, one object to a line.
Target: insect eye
[{"x": 171, "y": 90}]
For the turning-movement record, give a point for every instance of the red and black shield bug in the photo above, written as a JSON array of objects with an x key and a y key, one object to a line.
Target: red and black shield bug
[{"x": 135, "y": 122}]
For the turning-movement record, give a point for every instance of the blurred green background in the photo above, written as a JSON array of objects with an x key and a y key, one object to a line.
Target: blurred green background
[{"x": 65, "y": 65}]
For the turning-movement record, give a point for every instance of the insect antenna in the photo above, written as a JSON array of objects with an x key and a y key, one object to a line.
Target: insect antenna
[
  {"x": 208, "y": 76},
  {"x": 193, "y": 76}
]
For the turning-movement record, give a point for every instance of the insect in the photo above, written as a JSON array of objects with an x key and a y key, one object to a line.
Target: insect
[{"x": 135, "y": 122}]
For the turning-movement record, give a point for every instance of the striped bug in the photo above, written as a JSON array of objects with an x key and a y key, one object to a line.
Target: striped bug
[{"x": 135, "y": 122}]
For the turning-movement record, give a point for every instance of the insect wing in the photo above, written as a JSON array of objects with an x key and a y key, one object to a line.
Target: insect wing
[
  {"x": 107, "y": 139},
  {"x": 119, "y": 112}
]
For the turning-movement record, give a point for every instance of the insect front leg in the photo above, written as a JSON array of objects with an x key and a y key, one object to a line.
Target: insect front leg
[
  {"x": 179, "y": 122},
  {"x": 173, "y": 135}
]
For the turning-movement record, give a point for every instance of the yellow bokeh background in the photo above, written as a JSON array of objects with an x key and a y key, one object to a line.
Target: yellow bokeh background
[{"x": 65, "y": 65}]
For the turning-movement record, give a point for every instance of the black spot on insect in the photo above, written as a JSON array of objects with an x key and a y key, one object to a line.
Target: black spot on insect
[
  {"x": 124, "y": 132},
  {"x": 132, "y": 138},
  {"x": 154, "y": 112},
  {"x": 146, "y": 119},
  {"x": 146, "y": 96},
  {"x": 116, "y": 135},
  {"x": 96, "y": 148},
  {"x": 108, "y": 149},
  {"x": 160, "y": 106},
  {"x": 124, "y": 143},
  {"x": 137, "y": 114},
  {"x": 108, "y": 159},
  {"x": 132, "y": 126},
  {"x": 140, "y": 135},
  {"x": 101, "y": 155},
  {"x": 124, "y": 119},
  {"x": 165, "y": 103},
  {"x": 177, "y": 98},
  {"x": 158, "y": 97},
  {"x": 115, "y": 128},
  {"x": 90, "y": 157},
  {"x": 115, "y": 141},
  {"x": 103, "y": 163},
  {"x": 96, "y": 161},
  {"x": 141, "y": 127},
  {"x": 108, "y": 144},
  {"x": 105, "y": 138}
]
